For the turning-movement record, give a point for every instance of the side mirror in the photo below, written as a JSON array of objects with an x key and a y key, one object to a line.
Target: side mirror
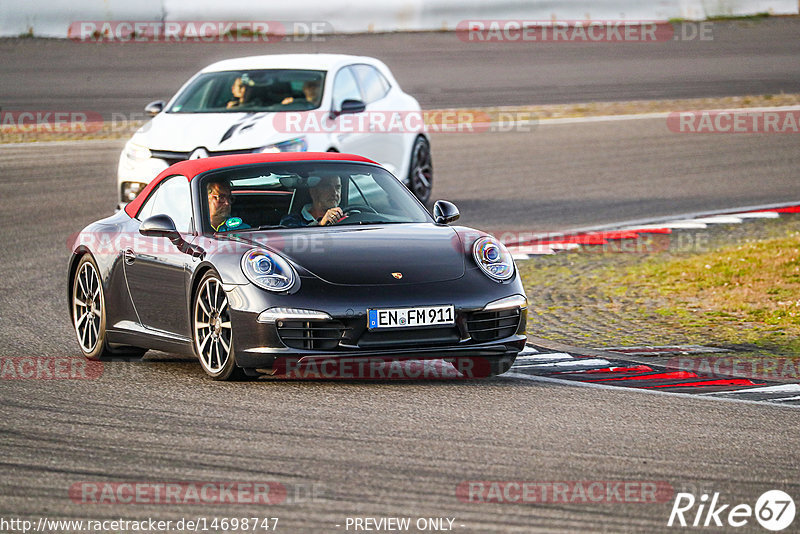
[
  {"x": 349, "y": 106},
  {"x": 159, "y": 226},
  {"x": 164, "y": 226},
  {"x": 154, "y": 108},
  {"x": 445, "y": 212}
]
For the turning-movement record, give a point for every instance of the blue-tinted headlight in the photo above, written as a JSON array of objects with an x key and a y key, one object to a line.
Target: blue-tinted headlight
[
  {"x": 493, "y": 258},
  {"x": 268, "y": 270},
  {"x": 292, "y": 145},
  {"x": 262, "y": 265}
]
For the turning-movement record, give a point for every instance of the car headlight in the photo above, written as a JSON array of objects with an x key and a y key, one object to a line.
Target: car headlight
[
  {"x": 131, "y": 190},
  {"x": 268, "y": 270},
  {"x": 292, "y": 145},
  {"x": 493, "y": 258},
  {"x": 136, "y": 152}
]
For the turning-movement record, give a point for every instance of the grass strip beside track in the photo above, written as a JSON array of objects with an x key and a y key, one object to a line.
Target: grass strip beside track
[{"x": 736, "y": 286}]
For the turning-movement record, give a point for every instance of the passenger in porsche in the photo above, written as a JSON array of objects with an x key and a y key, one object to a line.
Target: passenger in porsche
[{"x": 220, "y": 201}]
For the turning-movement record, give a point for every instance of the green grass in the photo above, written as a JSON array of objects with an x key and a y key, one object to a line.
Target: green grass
[{"x": 745, "y": 294}]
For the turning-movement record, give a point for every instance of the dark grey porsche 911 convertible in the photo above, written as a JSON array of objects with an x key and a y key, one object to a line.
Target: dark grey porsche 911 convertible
[{"x": 252, "y": 262}]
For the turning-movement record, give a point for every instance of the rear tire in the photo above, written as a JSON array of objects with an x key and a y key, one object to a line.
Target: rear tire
[{"x": 420, "y": 171}]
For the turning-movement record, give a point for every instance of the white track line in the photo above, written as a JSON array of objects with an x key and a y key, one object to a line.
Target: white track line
[
  {"x": 66, "y": 142},
  {"x": 672, "y": 225},
  {"x": 574, "y": 383},
  {"x": 782, "y": 388},
  {"x": 719, "y": 219},
  {"x": 786, "y": 399},
  {"x": 758, "y": 215},
  {"x": 644, "y": 116},
  {"x": 592, "y": 363},
  {"x": 645, "y": 350},
  {"x": 549, "y": 356}
]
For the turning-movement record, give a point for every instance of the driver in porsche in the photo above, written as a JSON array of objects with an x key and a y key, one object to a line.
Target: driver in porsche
[{"x": 324, "y": 207}]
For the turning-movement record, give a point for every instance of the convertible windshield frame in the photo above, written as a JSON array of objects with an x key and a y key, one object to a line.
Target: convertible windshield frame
[
  {"x": 264, "y": 90},
  {"x": 266, "y": 193}
]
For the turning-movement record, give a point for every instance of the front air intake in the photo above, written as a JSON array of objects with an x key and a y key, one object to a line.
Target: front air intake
[
  {"x": 310, "y": 335},
  {"x": 493, "y": 325}
]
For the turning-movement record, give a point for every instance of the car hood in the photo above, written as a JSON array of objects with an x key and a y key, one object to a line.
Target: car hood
[
  {"x": 184, "y": 132},
  {"x": 371, "y": 255}
]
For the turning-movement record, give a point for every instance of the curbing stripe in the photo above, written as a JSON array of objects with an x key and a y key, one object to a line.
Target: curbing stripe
[
  {"x": 570, "y": 369},
  {"x": 601, "y": 236},
  {"x": 575, "y": 383}
]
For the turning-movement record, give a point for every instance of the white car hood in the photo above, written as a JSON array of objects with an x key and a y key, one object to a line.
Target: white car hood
[{"x": 184, "y": 132}]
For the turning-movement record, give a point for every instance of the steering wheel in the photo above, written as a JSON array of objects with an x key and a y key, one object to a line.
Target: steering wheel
[{"x": 358, "y": 209}]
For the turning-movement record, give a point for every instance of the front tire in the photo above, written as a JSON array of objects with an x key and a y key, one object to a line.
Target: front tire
[
  {"x": 420, "y": 172},
  {"x": 89, "y": 315},
  {"x": 89, "y": 309},
  {"x": 211, "y": 326}
]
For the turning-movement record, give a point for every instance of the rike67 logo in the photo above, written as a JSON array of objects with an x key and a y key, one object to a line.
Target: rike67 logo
[{"x": 774, "y": 510}]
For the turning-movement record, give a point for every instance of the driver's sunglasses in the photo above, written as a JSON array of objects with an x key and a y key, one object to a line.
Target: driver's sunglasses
[{"x": 216, "y": 198}]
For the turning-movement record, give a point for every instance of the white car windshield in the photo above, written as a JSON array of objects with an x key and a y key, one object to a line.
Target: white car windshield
[{"x": 251, "y": 91}]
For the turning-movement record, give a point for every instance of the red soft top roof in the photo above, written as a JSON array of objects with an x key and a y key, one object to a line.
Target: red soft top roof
[{"x": 191, "y": 168}]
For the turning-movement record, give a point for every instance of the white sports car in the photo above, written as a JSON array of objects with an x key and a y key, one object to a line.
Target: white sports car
[{"x": 284, "y": 103}]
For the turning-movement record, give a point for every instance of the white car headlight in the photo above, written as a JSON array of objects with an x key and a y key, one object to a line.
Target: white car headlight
[
  {"x": 292, "y": 145},
  {"x": 493, "y": 258},
  {"x": 268, "y": 270},
  {"x": 137, "y": 152},
  {"x": 131, "y": 190}
]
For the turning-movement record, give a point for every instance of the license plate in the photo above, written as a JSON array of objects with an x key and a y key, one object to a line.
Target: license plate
[{"x": 409, "y": 317}]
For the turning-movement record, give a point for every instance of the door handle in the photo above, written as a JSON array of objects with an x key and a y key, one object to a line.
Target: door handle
[{"x": 129, "y": 256}]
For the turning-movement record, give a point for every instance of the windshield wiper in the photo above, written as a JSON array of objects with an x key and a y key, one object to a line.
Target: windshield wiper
[
  {"x": 268, "y": 227},
  {"x": 373, "y": 222}
]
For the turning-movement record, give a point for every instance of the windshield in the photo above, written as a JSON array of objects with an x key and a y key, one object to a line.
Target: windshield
[
  {"x": 251, "y": 91},
  {"x": 300, "y": 194}
]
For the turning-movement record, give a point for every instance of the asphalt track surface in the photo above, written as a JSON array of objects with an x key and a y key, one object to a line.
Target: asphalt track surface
[
  {"x": 371, "y": 448},
  {"x": 386, "y": 448},
  {"x": 438, "y": 68}
]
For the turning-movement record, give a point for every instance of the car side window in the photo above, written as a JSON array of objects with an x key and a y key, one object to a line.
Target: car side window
[
  {"x": 345, "y": 87},
  {"x": 172, "y": 197},
  {"x": 373, "y": 84}
]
